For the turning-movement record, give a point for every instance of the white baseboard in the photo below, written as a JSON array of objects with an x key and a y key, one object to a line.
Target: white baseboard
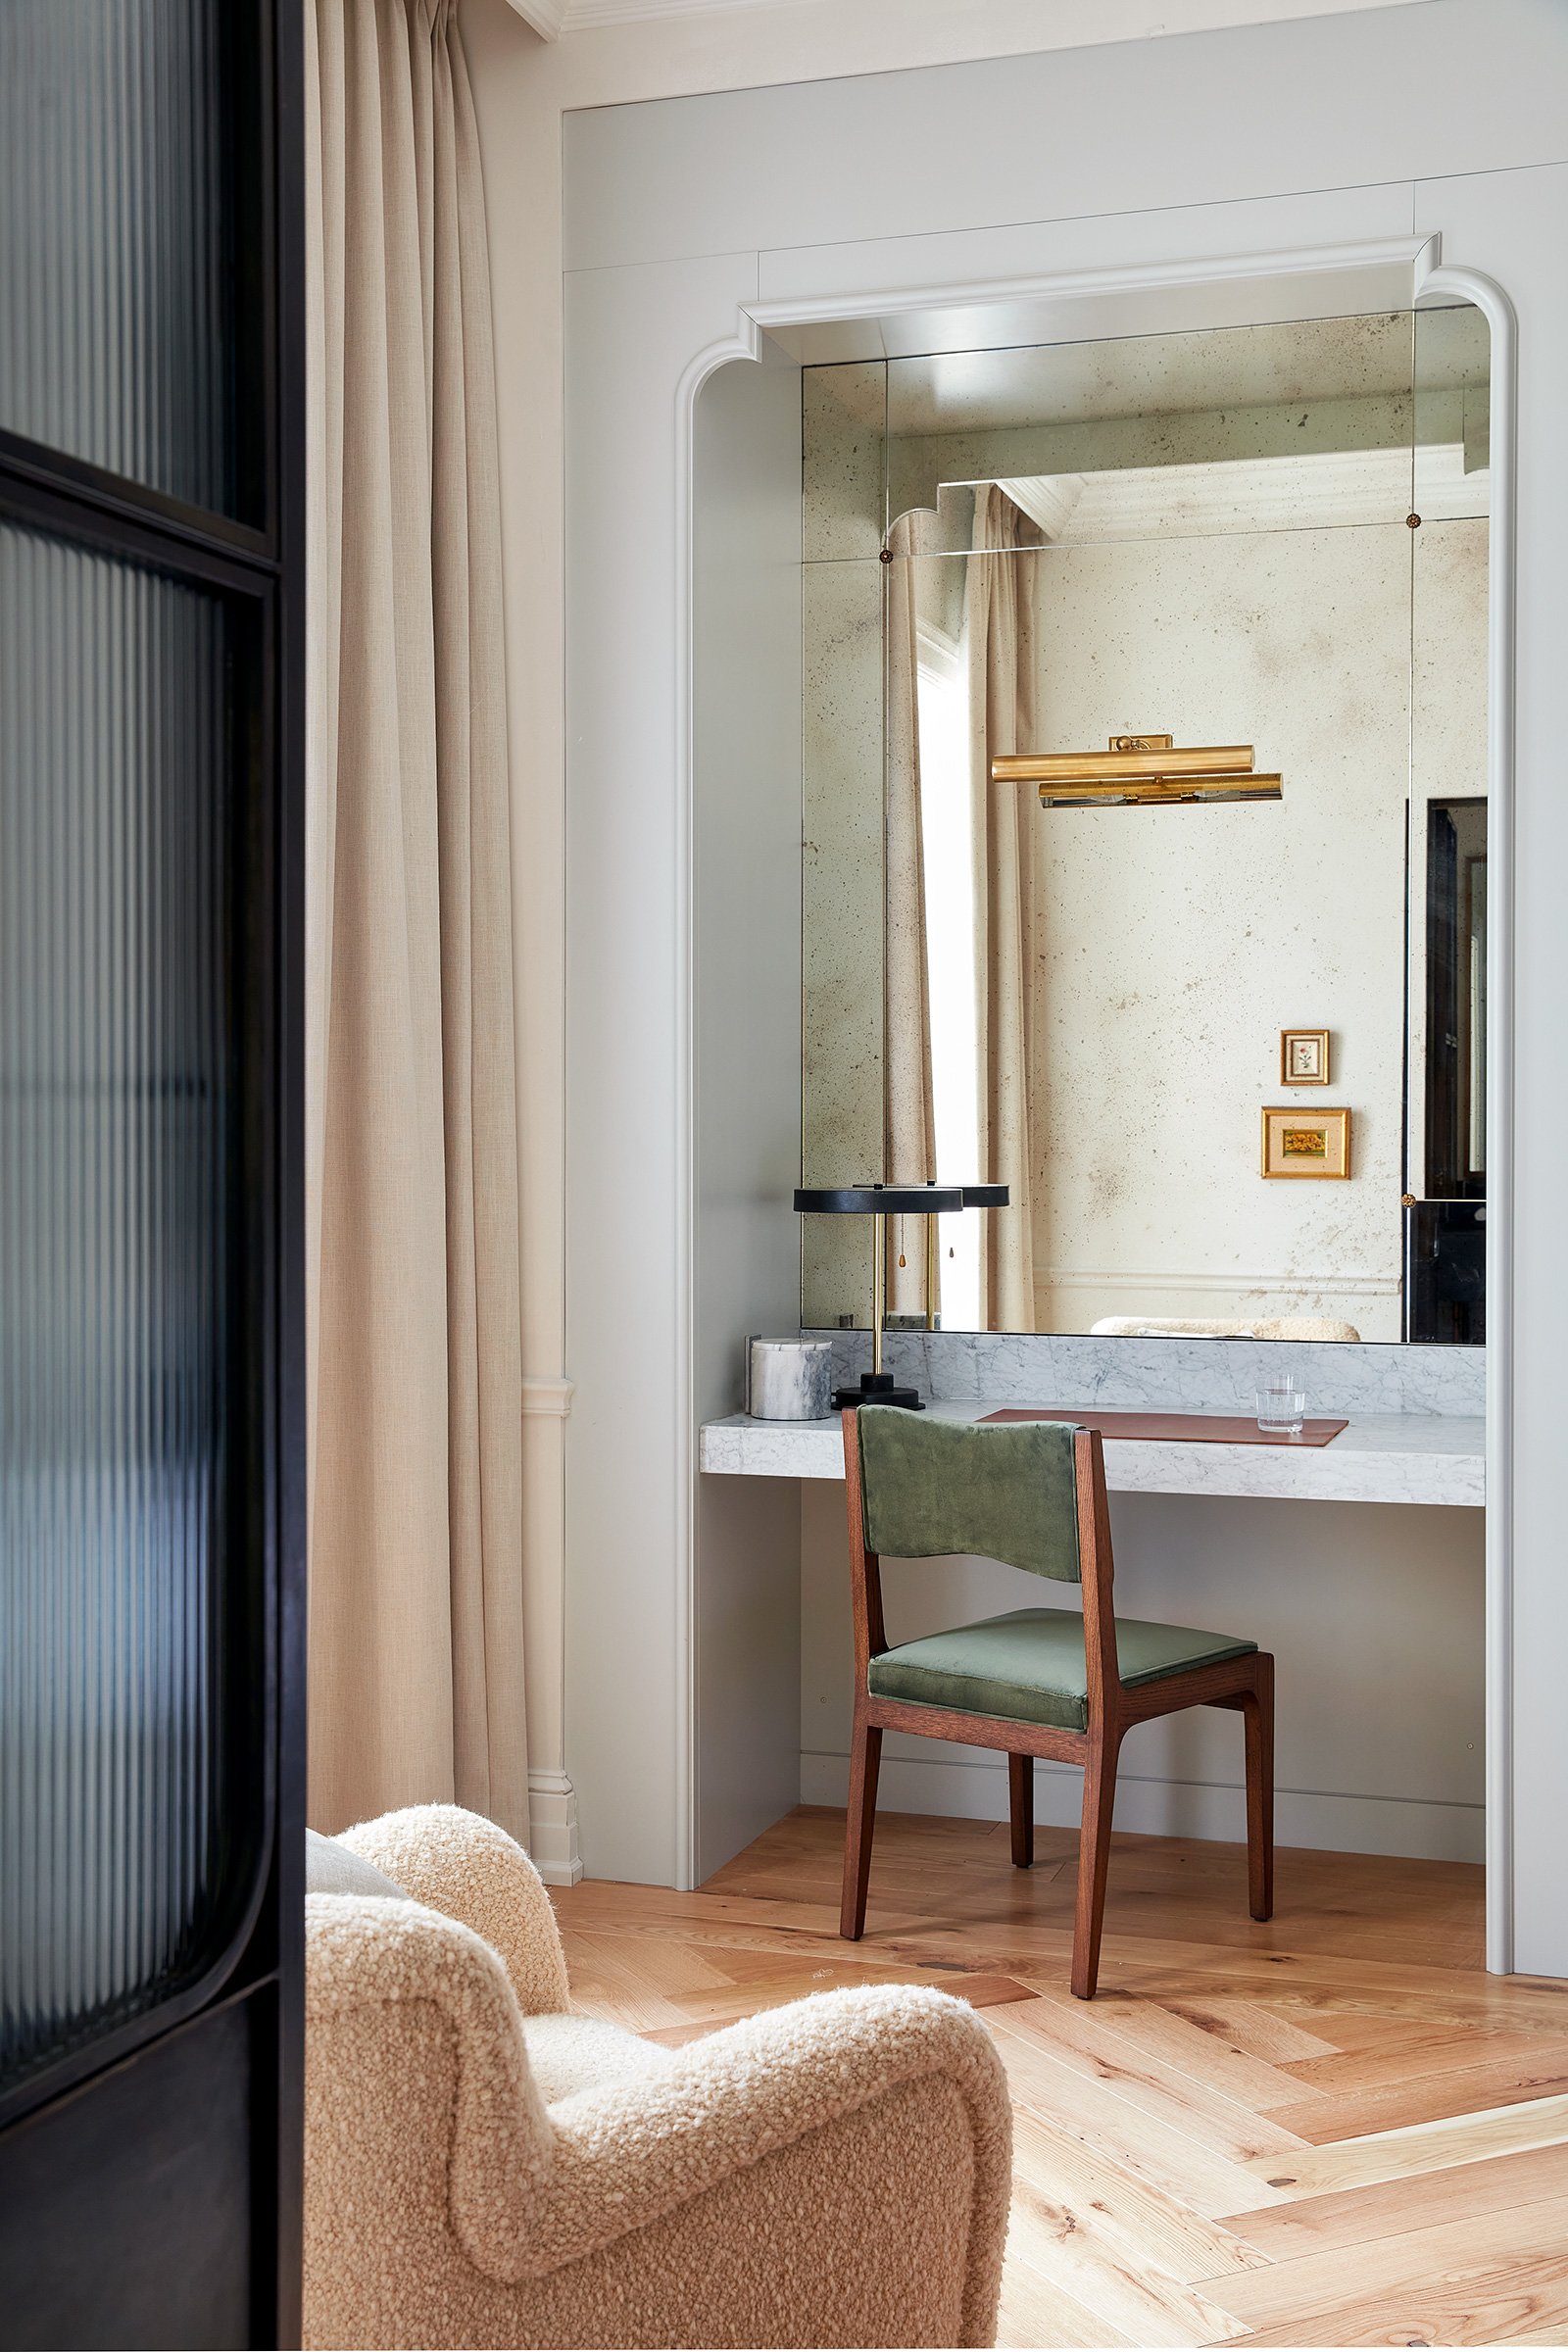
[
  {"x": 976, "y": 1789},
  {"x": 552, "y": 1816}
]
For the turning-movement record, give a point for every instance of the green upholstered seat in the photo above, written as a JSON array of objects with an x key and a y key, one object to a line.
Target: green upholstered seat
[{"x": 1029, "y": 1666}]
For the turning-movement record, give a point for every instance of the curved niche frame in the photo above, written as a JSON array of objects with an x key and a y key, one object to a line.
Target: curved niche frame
[{"x": 1247, "y": 290}]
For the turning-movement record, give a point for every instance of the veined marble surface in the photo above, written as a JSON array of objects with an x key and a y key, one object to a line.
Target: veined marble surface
[
  {"x": 1169, "y": 1375},
  {"x": 1384, "y": 1457}
]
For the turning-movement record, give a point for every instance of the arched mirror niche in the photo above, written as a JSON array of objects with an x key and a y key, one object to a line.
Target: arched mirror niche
[{"x": 1145, "y": 829}]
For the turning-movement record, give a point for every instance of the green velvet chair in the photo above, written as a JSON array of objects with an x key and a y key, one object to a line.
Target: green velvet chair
[{"x": 1036, "y": 1682}]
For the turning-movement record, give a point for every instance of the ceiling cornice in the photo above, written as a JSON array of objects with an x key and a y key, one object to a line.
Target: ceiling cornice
[
  {"x": 545, "y": 16},
  {"x": 552, "y": 18},
  {"x": 585, "y": 16}
]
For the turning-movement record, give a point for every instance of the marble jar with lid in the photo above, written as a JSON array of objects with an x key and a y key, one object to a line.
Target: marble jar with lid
[{"x": 789, "y": 1380}]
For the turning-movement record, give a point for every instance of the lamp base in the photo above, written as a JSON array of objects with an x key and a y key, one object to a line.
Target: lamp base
[{"x": 878, "y": 1387}]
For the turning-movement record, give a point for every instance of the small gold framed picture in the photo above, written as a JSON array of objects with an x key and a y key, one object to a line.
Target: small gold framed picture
[
  {"x": 1304, "y": 1057},
  {"x": 1306, "y": 1143}
]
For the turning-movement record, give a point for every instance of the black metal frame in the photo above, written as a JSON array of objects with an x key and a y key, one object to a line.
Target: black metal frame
[{"x": 257, "y": 568}]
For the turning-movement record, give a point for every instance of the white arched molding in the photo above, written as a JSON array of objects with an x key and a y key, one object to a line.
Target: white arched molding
[
  {"x": 1433, "y": 284},
  {"x": 1233, "y": 289},
  {"x": 744, "y": 342}
]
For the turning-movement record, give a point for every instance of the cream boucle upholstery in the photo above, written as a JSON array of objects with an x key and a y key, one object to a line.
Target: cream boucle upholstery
[
  {"x": 569, "y": 2054},
  {"x": 462, "y": 1864},
  {"x": 484, "y": 2169}
]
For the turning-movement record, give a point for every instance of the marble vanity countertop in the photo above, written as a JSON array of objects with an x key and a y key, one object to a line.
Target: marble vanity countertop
[{"x": 1384, "y": 1457}]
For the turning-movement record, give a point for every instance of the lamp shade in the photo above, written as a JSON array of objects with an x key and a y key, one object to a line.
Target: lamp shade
[
  {"x": 879, "y": 1200},
  {"x": 983, "y": 1196}
]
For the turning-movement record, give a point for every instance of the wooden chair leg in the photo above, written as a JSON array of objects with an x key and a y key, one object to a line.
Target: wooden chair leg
[
  {"x": 865, "y": 1758},
  {"x": 1257, "y": 1715},
  {"x": 1021, "y": 1808},
  {"x": 1093, "y": 1860}
]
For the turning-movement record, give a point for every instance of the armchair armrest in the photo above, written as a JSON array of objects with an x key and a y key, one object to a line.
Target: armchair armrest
[
  {"x": 457, "y": 1862},
  {"x": 419, "y": 1982},
  {"x": 834, "y": 2172},
  {"x": 627, "y": 2154}
]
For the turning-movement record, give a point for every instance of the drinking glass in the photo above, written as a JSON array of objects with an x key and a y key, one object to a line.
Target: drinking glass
[{"x": 1281, "y": 1406}]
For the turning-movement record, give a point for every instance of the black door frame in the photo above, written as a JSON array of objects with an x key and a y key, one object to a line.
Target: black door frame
[{"x": 255, "y": 560}]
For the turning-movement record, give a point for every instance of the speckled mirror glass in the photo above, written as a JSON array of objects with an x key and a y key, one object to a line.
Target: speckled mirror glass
[{"x": 1204, "y": 983}]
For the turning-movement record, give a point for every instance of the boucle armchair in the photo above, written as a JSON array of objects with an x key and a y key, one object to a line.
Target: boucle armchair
[{"x": 485, "y": 2168}]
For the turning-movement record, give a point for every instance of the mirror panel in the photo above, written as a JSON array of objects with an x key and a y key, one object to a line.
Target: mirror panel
[
  {"x": 1264, "y": 428},
  {"x": 844, "y": 489},
  {"x": 1091, "y": 544},
  {"x": 1451, "y": 368},
  {"x": 842, "y": 912},
  {"x": 1445, "y": 1140}
]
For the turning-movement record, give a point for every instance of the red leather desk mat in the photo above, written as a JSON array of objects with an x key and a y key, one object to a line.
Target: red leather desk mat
[{"x": 1217, "y": 1428}]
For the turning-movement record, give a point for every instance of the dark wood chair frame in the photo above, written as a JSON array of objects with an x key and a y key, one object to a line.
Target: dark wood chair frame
[{"x": 1246, "y": 1683}]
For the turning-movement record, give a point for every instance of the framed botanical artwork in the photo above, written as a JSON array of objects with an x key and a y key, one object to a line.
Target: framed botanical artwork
[
  {"x": 1304, "y": 1057},
  {"x": 1306, "y": 1143}
]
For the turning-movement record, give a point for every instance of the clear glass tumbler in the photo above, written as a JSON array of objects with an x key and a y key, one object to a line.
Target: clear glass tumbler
[{"x": 1280, "y": 1405}]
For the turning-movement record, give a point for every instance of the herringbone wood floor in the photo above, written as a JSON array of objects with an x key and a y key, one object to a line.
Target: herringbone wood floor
[{"x": 1331, "y": 2129}]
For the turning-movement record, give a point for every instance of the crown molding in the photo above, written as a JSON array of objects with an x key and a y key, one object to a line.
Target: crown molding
[
  {"x": 587, "y": 16},
  {"x": 547, "y": 17},
  {"x": 552, "y": 18}
]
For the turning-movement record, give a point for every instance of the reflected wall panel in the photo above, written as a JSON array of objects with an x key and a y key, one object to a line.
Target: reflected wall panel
[
  {"x": 115, "y": 231},
  {"x": 117, "y": 1109}
]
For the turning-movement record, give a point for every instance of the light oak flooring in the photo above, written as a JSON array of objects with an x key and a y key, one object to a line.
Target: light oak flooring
[{"x": 1334, "y": 2129}]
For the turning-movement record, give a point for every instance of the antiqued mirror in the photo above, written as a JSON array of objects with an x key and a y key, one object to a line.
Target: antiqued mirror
[{"x": 1145, "y": 828}]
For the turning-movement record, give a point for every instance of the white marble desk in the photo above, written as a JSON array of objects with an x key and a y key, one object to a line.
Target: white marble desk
[{"x": 1390, "y": 1457}]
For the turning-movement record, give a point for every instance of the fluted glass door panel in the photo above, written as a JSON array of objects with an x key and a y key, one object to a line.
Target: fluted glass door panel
[
  {"x": 118, "y": 1323},
  {"x": 116, "y": 231}
]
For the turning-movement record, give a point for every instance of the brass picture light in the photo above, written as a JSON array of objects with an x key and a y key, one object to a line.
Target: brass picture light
[{"x": 1138, "y": 771}]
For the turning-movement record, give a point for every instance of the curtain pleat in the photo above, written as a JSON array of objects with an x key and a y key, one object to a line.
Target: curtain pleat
[
  {"x": 417, "y": 1687},
  {"x": 909, "y": 1150}
]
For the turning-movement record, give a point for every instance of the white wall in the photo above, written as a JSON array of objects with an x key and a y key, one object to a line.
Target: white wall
[
  {"x": 524, "y": 90},
  {"x": 1446, "y": 117},
  {"x": 744, "y": 1257}
]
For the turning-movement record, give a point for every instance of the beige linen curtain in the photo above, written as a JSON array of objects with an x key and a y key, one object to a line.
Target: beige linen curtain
[
  {"x": 416, "y": 1508},
  {"x": 909, "y": 1150},
  {"x": 1000, "y": 605}
]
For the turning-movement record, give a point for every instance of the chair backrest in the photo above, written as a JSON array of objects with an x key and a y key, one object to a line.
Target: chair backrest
[{"x": 1005, "y": 1490}]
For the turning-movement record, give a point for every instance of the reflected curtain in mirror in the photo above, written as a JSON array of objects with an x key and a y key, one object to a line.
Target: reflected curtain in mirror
[
  {"x": 909, "y": 1150},
  {"x": 999, "y": 594}
]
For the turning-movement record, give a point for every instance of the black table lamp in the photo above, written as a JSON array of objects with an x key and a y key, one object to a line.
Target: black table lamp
[{"x": 881, "y": 1201}]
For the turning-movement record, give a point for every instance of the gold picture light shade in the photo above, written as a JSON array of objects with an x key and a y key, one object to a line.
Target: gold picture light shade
[{"x": 1138, "y": 771}]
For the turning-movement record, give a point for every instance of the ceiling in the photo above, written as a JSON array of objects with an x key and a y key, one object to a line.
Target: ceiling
[{"x": 1059, "y": 19}]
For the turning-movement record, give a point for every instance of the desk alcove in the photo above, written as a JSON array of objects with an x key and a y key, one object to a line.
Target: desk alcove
[
  {"x": 686, "y": 1588},
  {"x": 1362, "y": 1564}
]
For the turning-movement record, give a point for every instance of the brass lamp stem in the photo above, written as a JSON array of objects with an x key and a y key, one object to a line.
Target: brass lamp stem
[
  {"x": 879, "y": 1281},
  {"x": 930, "y": 1273}
]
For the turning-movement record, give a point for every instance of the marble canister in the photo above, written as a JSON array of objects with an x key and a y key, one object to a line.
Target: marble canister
[{"x": 789, "y": 1380}]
